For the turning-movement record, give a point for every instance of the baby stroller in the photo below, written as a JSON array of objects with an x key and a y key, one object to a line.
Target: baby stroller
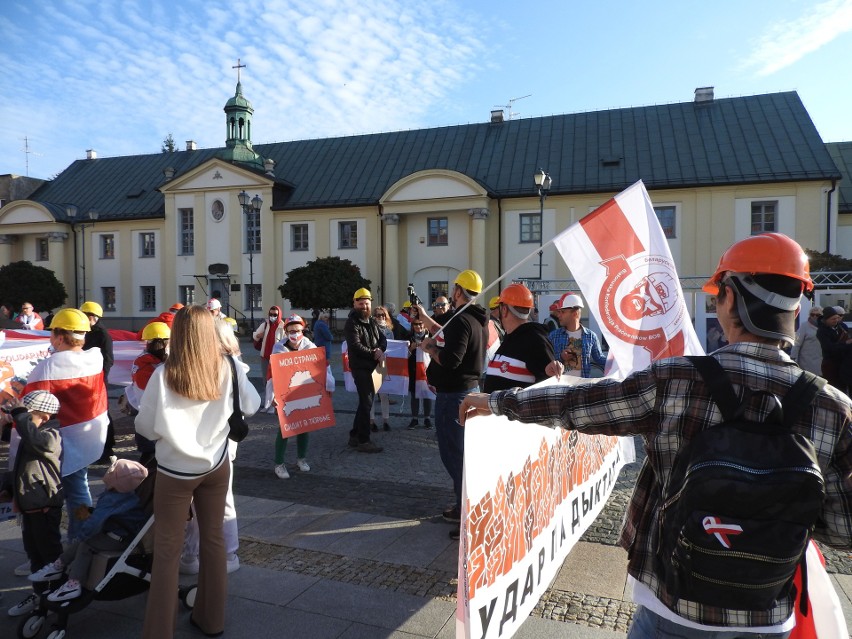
[{"x": 113, "y": 575}]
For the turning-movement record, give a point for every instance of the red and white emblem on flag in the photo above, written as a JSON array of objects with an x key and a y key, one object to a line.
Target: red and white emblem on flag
[{"x": 714, "y": 526}]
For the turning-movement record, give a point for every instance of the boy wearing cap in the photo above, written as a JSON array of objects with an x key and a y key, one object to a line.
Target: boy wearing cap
[
  {"x": 37, "y": 482},
  {"x": 117, "y": 518}
]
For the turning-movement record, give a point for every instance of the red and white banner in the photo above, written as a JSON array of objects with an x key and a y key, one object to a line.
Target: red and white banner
[
  {"x": 529, "y": 494},
  {"x": 422, "y": 390},
  {"x": 396, "y": 358},
  {"x": 621, "y": 260},
  {"x": 77, "y": 380},
  {"x": 298, "y": 382}
]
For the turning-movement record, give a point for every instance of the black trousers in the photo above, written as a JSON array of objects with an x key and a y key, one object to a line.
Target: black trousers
[
  {"x": 42, "y": 539},
  {"x": 364, "y": 385}
]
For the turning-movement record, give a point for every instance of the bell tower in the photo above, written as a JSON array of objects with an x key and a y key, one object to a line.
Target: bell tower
[{"x": 238, "y": 112}]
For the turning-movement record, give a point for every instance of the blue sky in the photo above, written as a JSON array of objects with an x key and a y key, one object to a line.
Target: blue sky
[{"x": 118, "y": 77}]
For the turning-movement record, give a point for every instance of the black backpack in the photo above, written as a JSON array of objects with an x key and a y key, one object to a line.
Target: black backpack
[{"x": 742, "y": 502}]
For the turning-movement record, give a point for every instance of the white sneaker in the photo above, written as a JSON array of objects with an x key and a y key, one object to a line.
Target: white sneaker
[
  {"x": 188, "y": 565},
  {"x": 303, "y": 465},
  {"x": 25, "y": 607},
  {"x": 281, "y": 472},
  {"x": 69, "y": 590},
  {"x": 233, "y": 563},
  {"x": 50, "y": 572},
  {"x": 23, "y": 570}
]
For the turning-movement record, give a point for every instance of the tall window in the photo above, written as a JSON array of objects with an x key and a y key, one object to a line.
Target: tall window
[
  {"x": 667, "y": 219},
  {"x": 437, "y": 231},
  {"x": 253, "y": 231},
  {"x": 763, "y": 217},
  {"x": 530, "y": 228},
  {"x": 299, "y": 237},
  {"x": 107, "y": 246},
  {"x": 148, "y": 295},
  {"x": 254, "y": 296},
  {"x": 42, "y": 251},
  {"x": 108, "y": 298},
  {"x": 186, "y": 294},
  {"x": 146, "y": 245},
  {"x": 187, "y": 231},
  {"x": 347, "y": 235},
  {"x": 436, "y": 290}
]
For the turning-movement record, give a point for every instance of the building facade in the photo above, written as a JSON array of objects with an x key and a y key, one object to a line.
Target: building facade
[{"x": 419, "y": 206}]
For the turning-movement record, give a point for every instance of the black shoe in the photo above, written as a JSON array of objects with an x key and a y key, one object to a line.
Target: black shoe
[
  {"x": 369, "y": 447},
  {"x": 427, "y": 424},
  {"x": 452, "y": 515},
  {"x": 386, "y": 426},
  {"x": 353, "y": 441},
  {"x": 412, "y": 424},
  {"x": 199, "y": 628},
  {"x": 374, "y": 428},
  {"x": 455, "y": 533}
]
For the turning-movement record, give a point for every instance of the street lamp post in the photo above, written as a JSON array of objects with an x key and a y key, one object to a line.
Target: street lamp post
[
  {"x": 71, "y": 211},
  {"x": 252, "y": 206},
  {"x": 542, "y": 182}
]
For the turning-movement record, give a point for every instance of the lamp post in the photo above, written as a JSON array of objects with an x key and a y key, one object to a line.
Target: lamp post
[
  {"x": 71, "y": 211},
  {"x": 250, "y": 206},
  {"x": 542, "y": 182}
]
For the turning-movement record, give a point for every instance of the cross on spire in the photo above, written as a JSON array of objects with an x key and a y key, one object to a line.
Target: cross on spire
[{"x": 238, "y": 66}]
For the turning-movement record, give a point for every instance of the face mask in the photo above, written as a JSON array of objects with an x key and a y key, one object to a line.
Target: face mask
[
  {"x": 294, "y": 336},
  {"x": 273, "y": 318}
]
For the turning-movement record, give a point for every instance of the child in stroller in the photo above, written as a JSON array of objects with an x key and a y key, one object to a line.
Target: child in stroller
[{"x": 116, "y": 519}]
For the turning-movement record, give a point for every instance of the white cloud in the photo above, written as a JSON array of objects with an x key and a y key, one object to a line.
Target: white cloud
[{"x": 784, "y": 42}]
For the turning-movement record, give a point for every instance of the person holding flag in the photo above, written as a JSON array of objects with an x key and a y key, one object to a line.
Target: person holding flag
[
  {"x": 76, "y": 377},
  {"x": 758, "y": 285}
]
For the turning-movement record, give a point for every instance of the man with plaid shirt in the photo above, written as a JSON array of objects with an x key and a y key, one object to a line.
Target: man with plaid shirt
[{"x": 758, "y": 284}]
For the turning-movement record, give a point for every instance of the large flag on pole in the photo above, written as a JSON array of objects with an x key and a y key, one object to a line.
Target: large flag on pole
[{"x": 621, "y": 260}]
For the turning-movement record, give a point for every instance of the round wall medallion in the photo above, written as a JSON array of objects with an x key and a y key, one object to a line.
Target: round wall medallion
[{"x": 217, "y": 210}]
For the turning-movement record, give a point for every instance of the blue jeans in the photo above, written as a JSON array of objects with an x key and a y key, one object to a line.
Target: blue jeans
[
  {"x": 649, "y": 625},
  {"x": 76, "y": 486},
  {"x": 451, "y": 436}
]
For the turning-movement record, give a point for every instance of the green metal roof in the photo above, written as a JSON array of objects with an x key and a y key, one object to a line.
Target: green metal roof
[
  {"x": 755, "y": 139},
  {"x": 841, "y": 153}
]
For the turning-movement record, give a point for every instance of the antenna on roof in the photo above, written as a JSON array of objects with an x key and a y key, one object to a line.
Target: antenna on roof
[
  {"x": 27, "y": 151},
  {"x": 511, "y": 104}
]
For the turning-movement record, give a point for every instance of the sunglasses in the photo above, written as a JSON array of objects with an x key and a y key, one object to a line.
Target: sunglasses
[{"x": 440, "y": 305}]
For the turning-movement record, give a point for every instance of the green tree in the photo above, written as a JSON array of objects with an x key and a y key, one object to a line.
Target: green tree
[
  {"x": 327, "y": 282},
  {"x": 23, "y": 282},
  {"x": 827, "y": 261},
  {"x": 168, "y": 144}
]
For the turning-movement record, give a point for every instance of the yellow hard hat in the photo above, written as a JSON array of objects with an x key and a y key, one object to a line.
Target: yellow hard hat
[
  {"x": 406, "y": 304},
  {"x": 156, "y": 330},
  {"x": 71, "y": 319},
  {"x": 494, "y": 302},
  {"x": 362, "y": 293},
  {"x": 92, "y": 307},
  {"x": 469, "y": 281}
]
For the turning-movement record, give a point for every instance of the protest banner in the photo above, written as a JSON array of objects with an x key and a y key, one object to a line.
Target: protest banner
[
  {"x": 299, "y": 388},
  {"x": 395, "y": 380}
]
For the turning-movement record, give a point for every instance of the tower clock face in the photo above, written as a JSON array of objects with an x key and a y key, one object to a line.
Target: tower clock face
[{"x": 217, "y": 211}]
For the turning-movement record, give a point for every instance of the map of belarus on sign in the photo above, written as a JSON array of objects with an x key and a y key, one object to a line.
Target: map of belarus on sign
[{"x": 298, "y": 382}]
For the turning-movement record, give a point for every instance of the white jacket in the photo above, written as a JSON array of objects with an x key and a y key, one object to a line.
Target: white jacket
[{"x": 191, "y": 435}]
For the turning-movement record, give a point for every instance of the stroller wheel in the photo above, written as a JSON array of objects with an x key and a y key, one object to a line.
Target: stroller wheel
[
  {"x": 31, "y": 626},
  {"x": 57, "y": 634},
  {"x": 187, "y": 596}
]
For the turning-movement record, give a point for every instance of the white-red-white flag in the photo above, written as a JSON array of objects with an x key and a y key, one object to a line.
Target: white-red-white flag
[
  {"x": 620, "y": 258},
  {"x": 77, "y": 380}
]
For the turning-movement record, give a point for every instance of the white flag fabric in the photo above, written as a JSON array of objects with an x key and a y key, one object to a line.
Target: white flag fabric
[{"x": 620, "y": 258}]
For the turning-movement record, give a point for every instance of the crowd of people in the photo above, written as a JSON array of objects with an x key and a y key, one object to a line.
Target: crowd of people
[{"x": 474, "y": 360}]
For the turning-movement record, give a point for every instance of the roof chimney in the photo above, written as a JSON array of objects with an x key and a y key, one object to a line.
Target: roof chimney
[
  {"x": 704, "y": 94},
  {"x": 91, "y": 154},
  {"x": 168, "y": 173},
  {"x": 269, "y": 167},
  {"x": 496, "y": 116},
  {"x": 191, "y": 145}
]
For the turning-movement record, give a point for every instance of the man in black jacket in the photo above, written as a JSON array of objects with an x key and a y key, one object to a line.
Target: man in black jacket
[
  {"x": 99, "y": 337},
  {"x": 366, "y": 346},
  {"x": 458, "y": 357}
]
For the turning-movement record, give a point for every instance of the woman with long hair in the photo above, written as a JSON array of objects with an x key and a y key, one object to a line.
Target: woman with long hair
[
  {"x": 185, "y": 411},
  {"x": 383, "y": 318}
]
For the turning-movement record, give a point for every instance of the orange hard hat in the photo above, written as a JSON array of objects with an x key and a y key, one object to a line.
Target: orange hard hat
[
  {"x": 770, "y": 253},
  {"x": 517, "y": 295}
]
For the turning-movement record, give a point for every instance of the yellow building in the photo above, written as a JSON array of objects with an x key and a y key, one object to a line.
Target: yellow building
[{"x": 418, "y": 206}]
